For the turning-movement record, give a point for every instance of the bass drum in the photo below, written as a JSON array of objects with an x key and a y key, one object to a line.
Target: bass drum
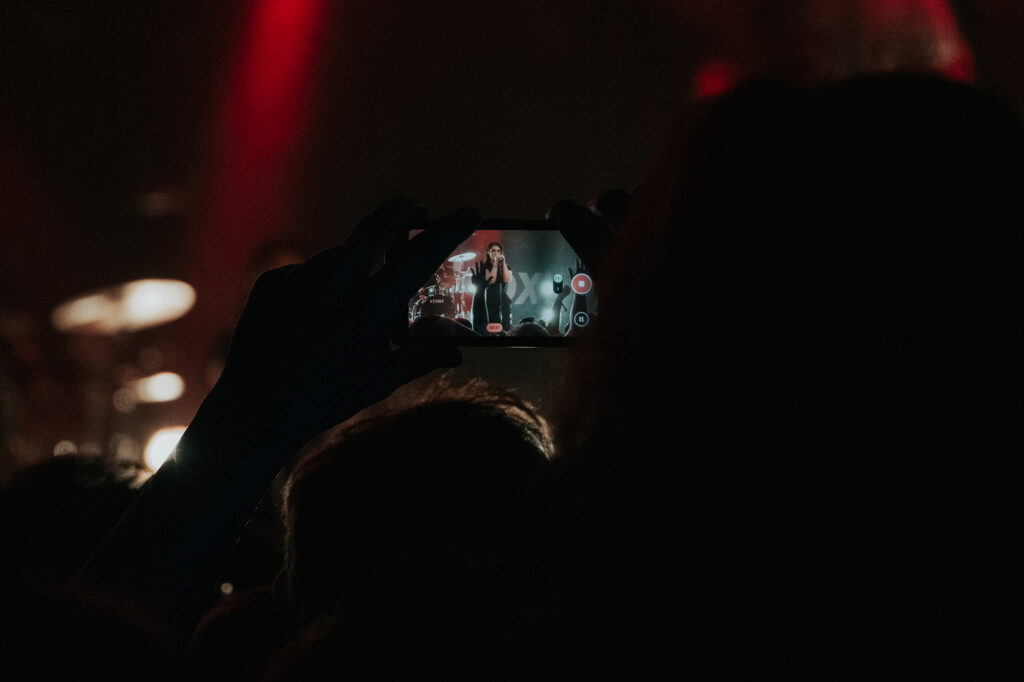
[{"x": 435, "y": 302}]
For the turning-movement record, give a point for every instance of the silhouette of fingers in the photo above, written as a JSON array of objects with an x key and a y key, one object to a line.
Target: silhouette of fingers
[
  {"x": 399, "y": 279},
  {"x": 353, "y": 263},
  {"x": 613, "y": 205},
  {"x": 587, "y": 233}
]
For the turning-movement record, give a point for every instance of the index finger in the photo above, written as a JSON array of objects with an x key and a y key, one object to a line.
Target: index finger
[
  {"x": 363, "y": 250},
  {"x": 587, "y": 234},
  {"x": 416, "y": 261}
]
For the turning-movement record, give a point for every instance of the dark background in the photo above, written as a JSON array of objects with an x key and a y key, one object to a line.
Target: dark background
[{"x": 179, "y": 139}]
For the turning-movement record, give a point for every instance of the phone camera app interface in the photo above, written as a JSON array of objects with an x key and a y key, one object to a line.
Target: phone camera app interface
[{"x": 506, "y": 283}]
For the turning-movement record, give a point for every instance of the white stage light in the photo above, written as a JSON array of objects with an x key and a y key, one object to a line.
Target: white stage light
[
  {"x": 126, "y": 307},
  {"x": 158, "y": 388},
  {"x": 161, "y": 445}
]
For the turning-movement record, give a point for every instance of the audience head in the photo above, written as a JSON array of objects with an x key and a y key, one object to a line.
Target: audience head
[
  {"x": 440, "y": 326},
  {"x": 437, "y": 617},
  {"x": 52, "y": 517},
  {"x": 53, "y": 514},
  {"x": 461, "y": 473},
  {"x": 529, "y": 327},
  {"x": 784, "y": 209},
  {"x": 809, "y": 376}
]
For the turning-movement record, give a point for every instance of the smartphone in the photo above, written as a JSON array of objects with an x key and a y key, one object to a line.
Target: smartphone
[{"x": 511, "y": 283}]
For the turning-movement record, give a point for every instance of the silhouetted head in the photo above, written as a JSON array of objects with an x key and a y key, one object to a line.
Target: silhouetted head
[
  {"x": 801, "y": 391},
  {"x": 55, "y": 513},
  {"x": 434, "y": 325},
  {"x": 529, "y": 328},
  {"x": 446, "y": 617},
  {"x": 460, "y": 474}
]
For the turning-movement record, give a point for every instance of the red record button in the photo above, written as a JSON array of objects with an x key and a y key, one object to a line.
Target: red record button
[{"x": 582, "y": 283}]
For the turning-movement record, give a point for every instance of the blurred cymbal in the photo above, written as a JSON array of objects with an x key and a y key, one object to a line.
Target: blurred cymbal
[
  {"x": 127, "y": 307},
  {"x": 462, "y": 257}
]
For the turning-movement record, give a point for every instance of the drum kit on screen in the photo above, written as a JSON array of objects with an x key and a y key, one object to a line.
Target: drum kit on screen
[{"x": 449, "y": 292}]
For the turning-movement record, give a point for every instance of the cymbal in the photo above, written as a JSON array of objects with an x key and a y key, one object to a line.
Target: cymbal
[
  {"x": 462, "y": 257},
  {"x": 127, "y": 307}
]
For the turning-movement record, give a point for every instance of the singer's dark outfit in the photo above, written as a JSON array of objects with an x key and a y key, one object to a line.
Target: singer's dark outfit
[{"x": 492, "y": 304}]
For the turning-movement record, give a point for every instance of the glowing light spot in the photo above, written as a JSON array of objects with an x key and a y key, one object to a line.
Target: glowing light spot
[
  {"x": 87, "y": 311},
  {"x": 125, "y": 400},
  {"x": 159, "y": 388},
  {"x": 227, "y": 589},
  {"x": 150, "y": 301},
  {"x": 64, "y": 447},
  {"x": 126, "y": 307},
  {"x": 161, "y": 445},
  {"x": 715, "y": 78}
]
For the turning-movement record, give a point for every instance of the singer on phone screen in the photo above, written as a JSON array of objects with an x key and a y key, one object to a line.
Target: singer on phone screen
[{"x": 491, "y": 303}]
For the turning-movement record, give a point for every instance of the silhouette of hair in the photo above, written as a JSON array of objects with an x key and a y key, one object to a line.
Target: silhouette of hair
[
  {"x": 53, "y": 514},
  {"x": 444, "y": 617},
  {"x": 528, "y": 328},
  {"x": 821, "y": 486},
  {"x": 459, "y": 472},
  {"x": 439, "y": 326}
]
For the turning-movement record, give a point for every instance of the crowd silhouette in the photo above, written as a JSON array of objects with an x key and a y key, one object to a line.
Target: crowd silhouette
[{"x": 789, "y": 451}]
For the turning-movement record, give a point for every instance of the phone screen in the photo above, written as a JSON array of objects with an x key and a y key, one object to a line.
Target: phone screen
[{"x": 508, "y": 285}]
